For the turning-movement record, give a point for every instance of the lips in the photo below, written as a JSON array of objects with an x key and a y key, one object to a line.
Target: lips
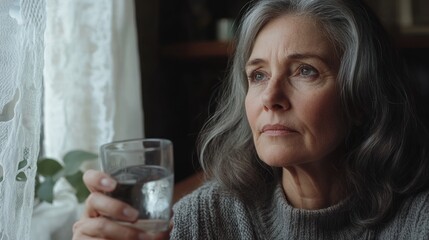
[{"x": 277, "y": 130}]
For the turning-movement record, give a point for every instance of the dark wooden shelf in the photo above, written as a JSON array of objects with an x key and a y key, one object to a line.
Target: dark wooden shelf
[
  {"x": 198, "y": 50},
  {"x": 412, "y": 41},
  {"x": 217, "y": 49}
]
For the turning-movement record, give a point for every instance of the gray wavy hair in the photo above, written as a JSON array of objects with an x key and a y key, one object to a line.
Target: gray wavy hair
[{"x": 387, "y": 156}]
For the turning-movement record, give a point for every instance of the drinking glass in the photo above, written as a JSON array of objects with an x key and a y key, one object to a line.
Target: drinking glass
[{"x": 143, "y": 169}]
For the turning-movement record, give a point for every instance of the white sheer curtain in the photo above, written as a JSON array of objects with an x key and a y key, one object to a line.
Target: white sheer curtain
[
  {"x": 92, "y": 81},
  {"x": 22, "y": 25},
  {"x": 92, "y": 91},
  {"x": 92, "y": 96}
]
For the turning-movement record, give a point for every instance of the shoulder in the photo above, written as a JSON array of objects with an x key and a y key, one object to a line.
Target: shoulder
[
  {"x": 211, "y": 188},
  {"x": 207, "y": 190},
  {"x": 210, "y": 211},
  {"x": 206, "y": 197},
  {"x": 417, "y": 208},
  {"x": 412, "y": 220},
  {"x": 416, "y": 211}
]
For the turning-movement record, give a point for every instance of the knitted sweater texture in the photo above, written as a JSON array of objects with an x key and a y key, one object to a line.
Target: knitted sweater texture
[{"x": 209, "y": 213}]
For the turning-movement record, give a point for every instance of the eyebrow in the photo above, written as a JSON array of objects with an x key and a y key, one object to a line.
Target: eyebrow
[
  {"x": 299, "y": 56},
  {"x": 294, "y": 56},
  {"x": 254, "y": 62}
]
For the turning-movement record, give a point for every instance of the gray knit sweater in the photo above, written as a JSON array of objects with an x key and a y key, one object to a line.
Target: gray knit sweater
[{"x": 209, "y": 213}]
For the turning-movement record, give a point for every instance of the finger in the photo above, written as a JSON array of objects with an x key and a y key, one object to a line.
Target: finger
[
  {"x": 99, "y": 204},
  {"x": 103, "y": 228},
  {"x": 98, "y": 181},
  {"x": 81, "y": 237},
  {"x": 161, "y": 236}
]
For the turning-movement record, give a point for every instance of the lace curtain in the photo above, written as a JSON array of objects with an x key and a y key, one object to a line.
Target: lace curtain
[
  {"x": 92, "y": 92},
  {"x": 21, "y": 64},
  {"x": 92, "y": 79},
  {"x": 88, "y": 59}
]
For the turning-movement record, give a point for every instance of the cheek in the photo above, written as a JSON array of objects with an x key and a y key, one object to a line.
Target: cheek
[
  {"x": 325, "y": 120},
  {"x": 251, "y": 110}
]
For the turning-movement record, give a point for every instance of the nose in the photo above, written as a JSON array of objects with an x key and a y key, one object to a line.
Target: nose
[{"x": 275, "y": 97}]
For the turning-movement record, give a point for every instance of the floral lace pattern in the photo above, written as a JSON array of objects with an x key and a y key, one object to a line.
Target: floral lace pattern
[
  {"x": 81, "y": 57},
  {"x": 91, "y": 71},
  {"x": 21, "y": 69}
]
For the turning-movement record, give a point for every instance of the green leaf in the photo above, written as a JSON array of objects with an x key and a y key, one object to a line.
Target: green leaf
[
  {"x": 48, "y": 167},
  {"x": 45, "y": 191},
  {"x": 82, "y": 194},
  {"x": 74, "y": 159},
  {"x": 76, "y": 180},
  {"x": 22, "y": 164},
  {"x": 21, "y": 177}
]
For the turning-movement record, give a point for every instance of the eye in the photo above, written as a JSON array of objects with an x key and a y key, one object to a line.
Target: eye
[
  {"x": 257, "y": 76},
  {"x": 308, "y": 71}
]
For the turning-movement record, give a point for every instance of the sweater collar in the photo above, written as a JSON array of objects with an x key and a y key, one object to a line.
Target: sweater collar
[{"x": 280, "y": 218}]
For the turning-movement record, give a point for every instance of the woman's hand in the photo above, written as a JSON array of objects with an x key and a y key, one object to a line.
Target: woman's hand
[{"x": 96, "y": 221}]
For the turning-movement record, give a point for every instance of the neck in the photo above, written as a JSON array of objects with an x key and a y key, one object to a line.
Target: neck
[{"x": 313, "y": 186}]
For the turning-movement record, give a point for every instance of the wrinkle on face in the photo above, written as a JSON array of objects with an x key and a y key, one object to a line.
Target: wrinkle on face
[{"x": 309, "y": 106}]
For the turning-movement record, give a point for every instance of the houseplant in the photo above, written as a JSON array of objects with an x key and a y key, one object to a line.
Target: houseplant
[{"x": 49, "y": 171}]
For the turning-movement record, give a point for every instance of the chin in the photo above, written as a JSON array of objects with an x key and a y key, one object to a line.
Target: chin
[
  {"x": 279, "y": 160},
  {"x": 278, "y": 153}
]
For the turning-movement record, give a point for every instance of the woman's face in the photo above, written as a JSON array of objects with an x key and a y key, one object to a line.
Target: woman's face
[{"x": 292, "y": 103}]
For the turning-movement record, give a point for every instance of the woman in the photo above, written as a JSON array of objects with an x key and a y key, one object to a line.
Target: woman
[{"x": 315, "y": 136}]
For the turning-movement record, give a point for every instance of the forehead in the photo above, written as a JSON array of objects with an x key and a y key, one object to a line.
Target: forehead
[{"x": 293, "y": 34}]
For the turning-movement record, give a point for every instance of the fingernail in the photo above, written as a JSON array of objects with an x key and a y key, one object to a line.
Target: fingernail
[
  {"x": 108, "y": 183},
  {"x": 131, "y": 213}
]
